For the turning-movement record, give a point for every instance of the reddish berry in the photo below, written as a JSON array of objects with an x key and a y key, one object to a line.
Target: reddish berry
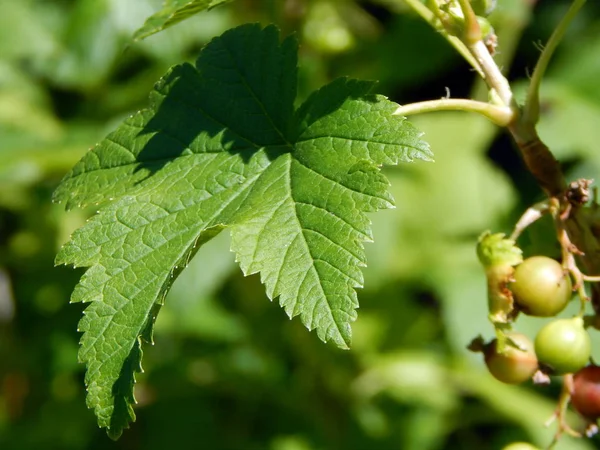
[
  {"x": 514, "y": 365},
  {"x": 586, "y": 392}
]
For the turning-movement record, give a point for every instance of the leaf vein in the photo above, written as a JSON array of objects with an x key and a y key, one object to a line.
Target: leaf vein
[
  {"x": 335, "y": 216},
  {"x": 341, "y": 247},
  {"x": 308, "y": 250},
  {"x": 283, "y": 264},
  {"x": 255, "y": 97},
  {"x": 223, "y": 126},
  {"x": 338, "y": 182},
  {"x": 268, "y": 220},
  {"x": 337, "y": 269},
  {"x": 367, "y": 141}
]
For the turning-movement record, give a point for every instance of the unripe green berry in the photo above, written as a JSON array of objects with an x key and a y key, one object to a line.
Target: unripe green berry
[
  {"x": 485, "y": 26},
  {"x": 563, "y": 346},
  {"x": 520, "y": 446},
  {"x": 540, "y": 287},
  {"x": 456, "y": 26},
  {"x": 483, "y": 7}
]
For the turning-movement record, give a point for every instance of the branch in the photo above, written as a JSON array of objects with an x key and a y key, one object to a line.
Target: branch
[
  {"x": 531, "y": 111},
  {"x": 491, "y": 72}
]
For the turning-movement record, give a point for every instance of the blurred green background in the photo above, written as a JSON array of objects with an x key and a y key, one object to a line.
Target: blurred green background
[{"x": 228, "y": 370}]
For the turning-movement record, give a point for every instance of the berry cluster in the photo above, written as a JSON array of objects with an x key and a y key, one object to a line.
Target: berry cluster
[{"x": 538, "y": 286}]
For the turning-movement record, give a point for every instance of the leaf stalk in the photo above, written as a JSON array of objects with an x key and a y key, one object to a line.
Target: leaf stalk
[{"x": 500, "y": 115}]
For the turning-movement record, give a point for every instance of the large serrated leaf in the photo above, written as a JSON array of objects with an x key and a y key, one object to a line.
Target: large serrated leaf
[{"x": 221, "y": 146}]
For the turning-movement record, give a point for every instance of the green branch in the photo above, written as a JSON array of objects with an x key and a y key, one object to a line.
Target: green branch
[
  {"x": 531, "y": 110},
  {"x": 491, "y": 72}
]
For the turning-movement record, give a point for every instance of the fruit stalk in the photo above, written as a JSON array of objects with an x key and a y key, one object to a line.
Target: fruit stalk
[{"x": 580, "y": 230}]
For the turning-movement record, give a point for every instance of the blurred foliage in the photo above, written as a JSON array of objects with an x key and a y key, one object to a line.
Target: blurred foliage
[{"x": 227, "y": 370}]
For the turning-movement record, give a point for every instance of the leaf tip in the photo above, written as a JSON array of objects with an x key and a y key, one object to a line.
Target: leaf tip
[
  {"x": 114, "y": 433},
  {"x": 346, "y": 342}
]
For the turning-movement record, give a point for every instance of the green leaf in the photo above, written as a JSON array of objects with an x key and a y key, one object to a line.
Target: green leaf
[
  {"x": 221, "y": 146},
  {"x": 496, "y": 249},
  {"x": 172, "y": 12}
]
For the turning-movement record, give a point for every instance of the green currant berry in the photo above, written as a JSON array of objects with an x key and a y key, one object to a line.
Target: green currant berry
[
  {"x": 563, "y": 345},
  {"x": 485, "y": 26},
  {"x": 483, "y": 7},
  {"x": 586, "y": 392},
  {"x": 541, "y": 287},
  {"x": 520, "y": 446},
  {"x": 514, "y": 365}
]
